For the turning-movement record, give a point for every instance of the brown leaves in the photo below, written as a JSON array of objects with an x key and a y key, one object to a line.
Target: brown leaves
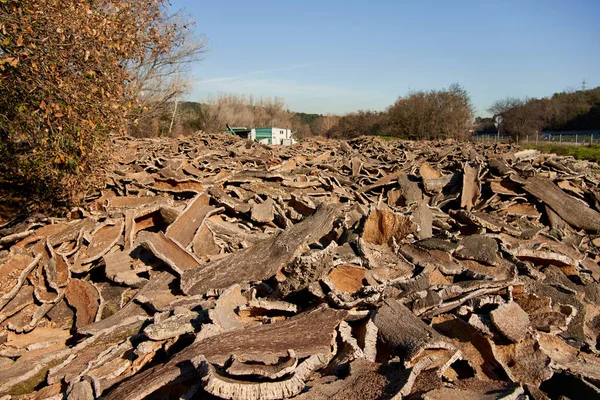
[
  {"x": 64, "y": 65},
  {"x": 12, "y": 61}
]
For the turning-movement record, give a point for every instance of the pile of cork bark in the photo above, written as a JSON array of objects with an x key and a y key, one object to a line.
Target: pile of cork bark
[{"x": 213, "y": 267}]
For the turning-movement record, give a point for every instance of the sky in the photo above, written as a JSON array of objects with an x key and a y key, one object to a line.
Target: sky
[{"x": 333, "y": 56}]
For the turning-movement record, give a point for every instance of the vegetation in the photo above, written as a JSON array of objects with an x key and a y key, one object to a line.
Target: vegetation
[
  {"x": 430, "y": 115},
  {"x": 71, "y": 72},
  {"x": 240, "y": 110},
  {"x": 588, "y": 152},
  {"x": 578, "y": 110},
  {"x": 160, "y": 77},
  {"x": 353, "y": 125},
  {"x": 436, "y": 114}
]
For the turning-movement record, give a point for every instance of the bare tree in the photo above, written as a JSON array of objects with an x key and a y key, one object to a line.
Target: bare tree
[
  {"x": 326, "y": 124},
  {"x": 459, "y": 112},
  {"x": 160, "y": 78},
  {"x": 240, "y": 110},
  {"x": 501, "y": 106}
]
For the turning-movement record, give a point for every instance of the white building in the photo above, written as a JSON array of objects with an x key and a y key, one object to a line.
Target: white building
[{"x": 272, "y": 135}]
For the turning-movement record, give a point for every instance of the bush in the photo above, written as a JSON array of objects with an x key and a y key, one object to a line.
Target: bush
[
  {"x": 432, "y": 115},
  {"x": 65, "y": 84}
]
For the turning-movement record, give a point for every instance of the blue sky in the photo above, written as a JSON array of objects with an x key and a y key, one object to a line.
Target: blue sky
[{"x": 333, "y": 56}]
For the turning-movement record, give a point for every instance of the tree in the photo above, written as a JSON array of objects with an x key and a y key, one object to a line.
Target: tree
[
  {"x": 240, "y": 110},
  {"x": 68, "y": 79},
  {"x": 484, "y": 126},
  {"x": 459, "y": 114},
  {"x": 572, "y": 110},
  {"x": 357, "y": 124},
  {"x": 499, "y": 107},
  {"x": 527, "y": 118},
  {"x": 432, "y": 115},
  {"x": 160, "y": 78},
  {"x": 325, "y": 124}
]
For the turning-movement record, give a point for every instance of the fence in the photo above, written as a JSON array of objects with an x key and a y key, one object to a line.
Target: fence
[{"x": 554, "y": 139}]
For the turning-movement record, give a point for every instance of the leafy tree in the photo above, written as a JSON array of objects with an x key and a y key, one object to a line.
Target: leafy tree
[
  {"x": 66, "y": 82},
  {"x": 484, "y": 126},
  {"x": 308, "y": 119}
]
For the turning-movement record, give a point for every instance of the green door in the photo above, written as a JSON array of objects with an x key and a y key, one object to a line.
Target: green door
[{"x": 264, "y": 133}]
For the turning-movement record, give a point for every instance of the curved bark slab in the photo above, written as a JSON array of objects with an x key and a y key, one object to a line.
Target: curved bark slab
[
  {"x": 12, "y": 275},
  {"x": 21, "y": 300},
  {"x": 85, "y": 299},
  {"x": 471, "y": 186},
  {"x": 227, "y": 388},
  {"x": 169, "y": 251},
  {"x": 384, "y": 226},
  {"x": 573, "y": 211},
  {"x": 183, "y": 229},
  {"x": 309, "y": 333},
  {"x": 262, "y": 260},
  {"x": 243, "y": 368},
  {"x": 405, "y": 334},
  {"x": 102, "y": 241},
  {"x": 172, "y": 185},
  {"x": 511, "y": 320}
]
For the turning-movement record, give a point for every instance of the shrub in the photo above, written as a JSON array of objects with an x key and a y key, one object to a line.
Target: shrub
[{"x": 66, "y": 84}]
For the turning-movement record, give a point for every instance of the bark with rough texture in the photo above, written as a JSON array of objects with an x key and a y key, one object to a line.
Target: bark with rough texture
[
  {"x": 169, "y": 251},
  {"x": 262, "y": 260},
  {"x": 404, "y": 333},
  {"x": 567, "y": 207}
]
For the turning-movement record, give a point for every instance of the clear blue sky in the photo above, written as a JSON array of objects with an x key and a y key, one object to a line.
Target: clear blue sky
[{"x": 339, "y": 56}]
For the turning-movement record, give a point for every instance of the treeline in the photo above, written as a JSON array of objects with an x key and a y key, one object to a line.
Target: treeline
[
  {"x": 236, "y": 110},
  {"x": 422, "y": 115},
  {"x": 428, "y": 115},
  {"x": 579, "y": 110}
]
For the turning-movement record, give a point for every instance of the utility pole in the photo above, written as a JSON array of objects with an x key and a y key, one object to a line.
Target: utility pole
[
  {"x": 173, "y": 116},
  {"x": 175, "y": 107},
  {"x": 583, "y": 84}
]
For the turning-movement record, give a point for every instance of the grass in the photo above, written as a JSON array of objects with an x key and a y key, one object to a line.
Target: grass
[
  {"x": 587, "y": 152},
  {"x": 583, "y": 152},
  {"x": 388, "y": 138}
]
